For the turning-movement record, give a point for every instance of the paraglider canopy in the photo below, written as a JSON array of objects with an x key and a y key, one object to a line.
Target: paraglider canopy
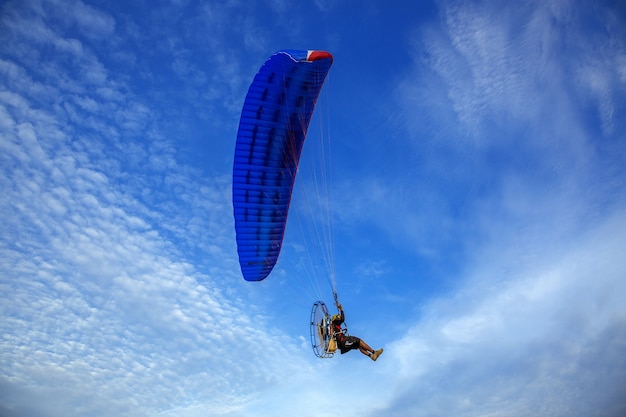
[{"x": 274, "y": 121}]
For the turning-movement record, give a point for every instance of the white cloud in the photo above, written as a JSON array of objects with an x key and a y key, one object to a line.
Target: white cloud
[
  {"x": 533, "y": 340},
  {"x": 92, "y": 22},
  {"x": 98, "y": 305},
  {"x": 536, "y": 325},
  {"x": 102, "y": 314}
]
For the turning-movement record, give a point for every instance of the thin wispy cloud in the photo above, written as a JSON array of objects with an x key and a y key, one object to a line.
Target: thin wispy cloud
[{"x": 539, "y": 309}]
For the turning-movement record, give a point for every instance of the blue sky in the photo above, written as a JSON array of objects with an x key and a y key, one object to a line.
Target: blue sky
[{"x": 478, "y": 201}]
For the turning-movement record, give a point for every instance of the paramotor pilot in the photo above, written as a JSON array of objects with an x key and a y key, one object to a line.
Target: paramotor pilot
[{"x": 346, "y": 342}]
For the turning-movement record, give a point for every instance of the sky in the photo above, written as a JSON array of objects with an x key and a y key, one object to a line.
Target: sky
[{"x": 477, "y": 194}]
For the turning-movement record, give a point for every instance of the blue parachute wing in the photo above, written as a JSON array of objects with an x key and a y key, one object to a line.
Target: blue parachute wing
[{"x": 274, "y": 121}]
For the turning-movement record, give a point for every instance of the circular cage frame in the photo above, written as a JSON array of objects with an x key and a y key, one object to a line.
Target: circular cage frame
[{"x": 321, "y": 331}]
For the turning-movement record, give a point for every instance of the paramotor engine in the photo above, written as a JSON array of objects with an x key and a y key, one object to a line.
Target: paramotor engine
[
  {"x": 322, "y": 336},
  {"x": 322, "y": 340}
]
